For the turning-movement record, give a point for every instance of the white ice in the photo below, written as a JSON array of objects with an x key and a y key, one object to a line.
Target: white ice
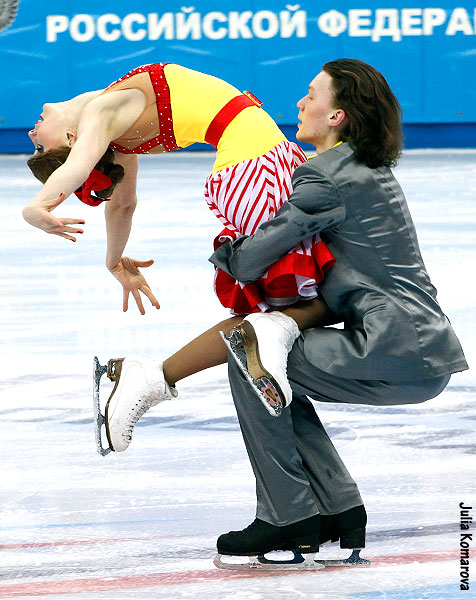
[{"x": 143, "y": 524}]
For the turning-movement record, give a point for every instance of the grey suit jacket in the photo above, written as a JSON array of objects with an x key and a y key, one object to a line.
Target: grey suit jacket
[{"x": 394, "y": 329}]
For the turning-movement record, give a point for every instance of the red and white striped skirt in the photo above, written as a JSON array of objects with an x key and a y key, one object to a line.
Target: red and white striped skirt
[{"x": 243, "y": 197}]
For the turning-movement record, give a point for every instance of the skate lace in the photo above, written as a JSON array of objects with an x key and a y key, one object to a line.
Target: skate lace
[
  {"x": 251, "y": 529},
  {"x": 140, "y": 409}
]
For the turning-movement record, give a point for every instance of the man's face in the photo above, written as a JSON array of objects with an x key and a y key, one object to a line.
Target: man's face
[{"x": 316, "y": 111}]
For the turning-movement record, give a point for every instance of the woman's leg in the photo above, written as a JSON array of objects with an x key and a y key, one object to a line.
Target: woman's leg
[
  {"x": 141, "y": 382},
  {"x": 205, "y": 351},
  {"x": 310, "y": 313}
]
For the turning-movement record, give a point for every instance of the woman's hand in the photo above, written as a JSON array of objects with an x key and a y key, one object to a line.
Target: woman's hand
[
  {"x": 43, "y": 219},
  {"x": 127, "y": 273}
]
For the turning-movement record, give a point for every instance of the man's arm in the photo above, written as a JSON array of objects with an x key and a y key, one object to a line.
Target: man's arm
[{"x": 315, "y": 205}]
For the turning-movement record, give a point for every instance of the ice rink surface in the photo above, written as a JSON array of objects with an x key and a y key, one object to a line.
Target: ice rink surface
[{"x": 143, "y": 524}]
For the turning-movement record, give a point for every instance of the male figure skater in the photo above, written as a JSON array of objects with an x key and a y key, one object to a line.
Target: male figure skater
[{"x": 396, "y": 347}]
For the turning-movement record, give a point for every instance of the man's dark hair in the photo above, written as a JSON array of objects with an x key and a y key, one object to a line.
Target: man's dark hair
[{"x": 373, "y": 112}]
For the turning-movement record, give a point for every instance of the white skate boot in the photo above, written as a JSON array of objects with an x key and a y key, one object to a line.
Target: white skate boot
[
  {"x": 267, "y": 339},
  {"x": 139, "y": 385}
]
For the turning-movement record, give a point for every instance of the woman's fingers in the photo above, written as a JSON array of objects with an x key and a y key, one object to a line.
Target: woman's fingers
[
  {"x": 148, "y": 292},
  {"x": 67, "y": 237},
  {"x": 127, "y": 272},
  {"x": 138, "y": 300},
  {"x": 64, "y": 233},
  {"x": 143, "y": 263},
  {"x": 68, "y": 221},
  {"x": 72, "y": 230},
  {"x": 63, "y": 228}
]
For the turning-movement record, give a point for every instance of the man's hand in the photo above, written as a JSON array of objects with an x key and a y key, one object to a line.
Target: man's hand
[
  {"x": 127, "y": 273},
  {"x": 43, "y": 219}
]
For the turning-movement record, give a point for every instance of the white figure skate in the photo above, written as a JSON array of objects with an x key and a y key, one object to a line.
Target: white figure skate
[
  {"x": 267, "y": 339},
  {"x": 139, "y": 384}
]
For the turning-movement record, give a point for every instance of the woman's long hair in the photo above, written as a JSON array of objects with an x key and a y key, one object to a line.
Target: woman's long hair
[
  {"x": 44, "y": 163},
  {"x": 373, "y": 112}
]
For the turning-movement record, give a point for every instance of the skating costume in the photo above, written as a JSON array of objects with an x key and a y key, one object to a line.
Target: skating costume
[{"x": 251, "y": 177}]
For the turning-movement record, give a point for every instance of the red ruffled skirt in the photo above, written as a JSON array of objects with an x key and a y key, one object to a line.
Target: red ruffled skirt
[
  {"x": 243, "y": 197},
  {"x": 294, "y": 277}
]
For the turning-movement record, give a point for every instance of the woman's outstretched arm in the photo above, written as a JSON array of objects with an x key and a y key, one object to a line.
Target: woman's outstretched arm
[
  {"x": 101, "y": 121},
  {"x": 93, "y": 138},
  {"x": 120, "y": 208},
  {"x": 119, "y": 211}
]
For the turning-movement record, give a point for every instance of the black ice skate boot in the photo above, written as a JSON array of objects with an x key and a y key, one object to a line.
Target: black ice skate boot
[
  {"x": 261, "y": 537},
  {"x": 347, "y": 526}
]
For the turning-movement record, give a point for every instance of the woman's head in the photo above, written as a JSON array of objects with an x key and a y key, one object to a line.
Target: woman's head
[
  {"x": 52, "y": 130},
  {"x": 373, "y": 113},
  {"x": 42, "y": 164},
  {"x": 53, "y": 136}
]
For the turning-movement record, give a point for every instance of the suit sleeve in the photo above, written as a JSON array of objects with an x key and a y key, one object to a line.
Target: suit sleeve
[{"x": 314, "y": 205}]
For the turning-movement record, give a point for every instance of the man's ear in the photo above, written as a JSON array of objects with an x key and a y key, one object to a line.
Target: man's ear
[
  {"x": 337, "y": 117},
  {"x": 71, "y": 136}
]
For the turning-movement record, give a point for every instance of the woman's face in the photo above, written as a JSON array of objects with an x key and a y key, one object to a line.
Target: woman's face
[{"x": 49, "y": 130}]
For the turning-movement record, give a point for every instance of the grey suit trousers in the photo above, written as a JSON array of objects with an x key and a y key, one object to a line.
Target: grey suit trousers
[{"x": 298, "y": 471}]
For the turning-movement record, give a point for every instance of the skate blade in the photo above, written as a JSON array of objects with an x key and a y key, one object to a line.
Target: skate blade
[
  {"x": 265, "y": 388},
  {"x": 261, "y": 563},
  {"x": 354, "y": 560},
  {"x": 263, "y": 379},
  {"x": 250, "y": 343},
  {"x": 99, "y": 418}
]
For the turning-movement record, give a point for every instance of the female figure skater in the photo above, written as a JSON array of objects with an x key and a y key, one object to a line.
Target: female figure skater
[{"x": 90, "y": 143}]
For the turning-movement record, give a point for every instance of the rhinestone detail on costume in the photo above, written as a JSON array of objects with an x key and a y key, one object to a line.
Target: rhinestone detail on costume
[{"x": 166, "y": 137}]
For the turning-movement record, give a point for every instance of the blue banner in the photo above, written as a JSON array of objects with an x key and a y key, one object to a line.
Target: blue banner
[{"x": 51, "y": 51}]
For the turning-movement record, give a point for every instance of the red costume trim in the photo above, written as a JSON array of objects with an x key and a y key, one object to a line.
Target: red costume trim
[
  {"x": 166, "y": 137},
  {"x": 226, "y": 115}
]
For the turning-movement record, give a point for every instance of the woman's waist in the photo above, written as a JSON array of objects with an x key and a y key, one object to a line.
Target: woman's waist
[{"x": 250, "y": 134}]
